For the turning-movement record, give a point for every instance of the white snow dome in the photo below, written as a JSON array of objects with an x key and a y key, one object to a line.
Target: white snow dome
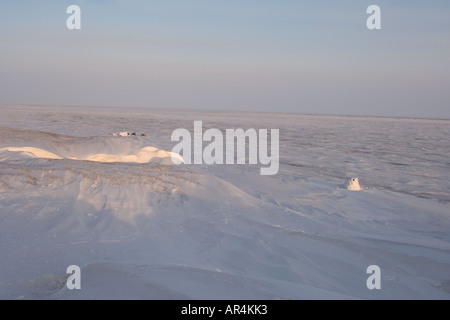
[{"x": 353, "y": 184}]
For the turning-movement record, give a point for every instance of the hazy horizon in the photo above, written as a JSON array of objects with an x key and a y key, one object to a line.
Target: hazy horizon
[
  {"x": 223, "y": 111},
  {"x": 251, "y": 56}
]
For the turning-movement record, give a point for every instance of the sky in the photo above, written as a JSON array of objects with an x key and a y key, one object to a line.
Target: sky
[{"x": 312, "y": 57}]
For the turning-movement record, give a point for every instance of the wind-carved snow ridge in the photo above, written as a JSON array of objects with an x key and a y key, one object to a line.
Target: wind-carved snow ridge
[
  {"x": 43, "y": 145},
  {"x": 114, "y": 192}
]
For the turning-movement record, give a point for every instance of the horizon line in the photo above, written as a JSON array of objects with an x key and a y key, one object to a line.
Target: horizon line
[{"x": 223, "y": 111}]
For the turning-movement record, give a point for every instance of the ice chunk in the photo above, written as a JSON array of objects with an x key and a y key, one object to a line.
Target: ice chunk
[{"x": 353, "y": 184}]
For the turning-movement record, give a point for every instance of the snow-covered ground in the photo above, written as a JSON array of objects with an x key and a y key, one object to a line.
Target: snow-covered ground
[{"x": 73, "y": 193}]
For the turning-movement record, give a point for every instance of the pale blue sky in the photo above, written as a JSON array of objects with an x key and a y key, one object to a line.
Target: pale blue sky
[{"x": 251, "y": 55}]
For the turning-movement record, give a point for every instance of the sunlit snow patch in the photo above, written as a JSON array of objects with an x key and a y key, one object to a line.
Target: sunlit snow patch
[
  {"x": 25, "y": 144},
  {"x": 30, "y": 152},
  {"x": 144, "y": 155}
]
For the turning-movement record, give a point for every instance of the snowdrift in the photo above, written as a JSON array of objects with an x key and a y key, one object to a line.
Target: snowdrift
[
  {"x": 98, "y": 149},
  {"x": 110, "y": 200}
]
